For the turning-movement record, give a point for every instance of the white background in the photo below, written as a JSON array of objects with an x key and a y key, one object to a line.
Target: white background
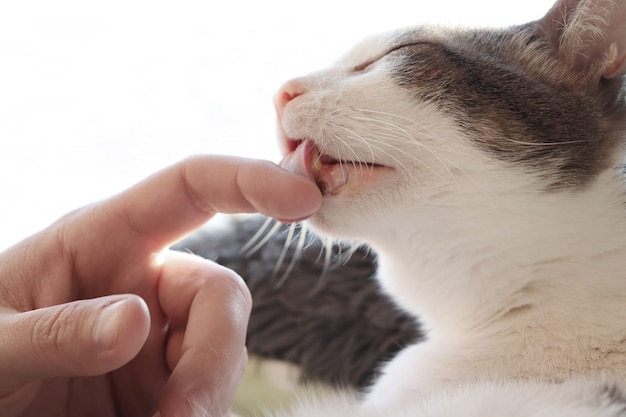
[{"x": 96, "y": 95}]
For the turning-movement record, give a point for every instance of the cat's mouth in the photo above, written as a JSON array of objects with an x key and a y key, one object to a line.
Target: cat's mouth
[{"x": 329, "y": 173}]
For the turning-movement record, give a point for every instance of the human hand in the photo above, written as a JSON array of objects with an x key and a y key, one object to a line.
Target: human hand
[{"x": 97, "y": 319}]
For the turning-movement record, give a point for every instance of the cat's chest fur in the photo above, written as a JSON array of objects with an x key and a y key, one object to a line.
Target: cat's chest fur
[
  {"x": 520, "y": 297},
  {"x": 485, "y": 168}
]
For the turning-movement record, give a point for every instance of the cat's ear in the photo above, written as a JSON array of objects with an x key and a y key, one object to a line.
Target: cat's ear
[{"x": 589, "y": 37}]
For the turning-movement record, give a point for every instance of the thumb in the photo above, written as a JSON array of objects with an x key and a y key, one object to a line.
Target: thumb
[{"x": 82, "y": 338}]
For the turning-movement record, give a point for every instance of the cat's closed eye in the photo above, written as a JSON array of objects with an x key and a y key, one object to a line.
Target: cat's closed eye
[
  {"x": 396, "y": 48},
  {"x": 365, "y": 65}
]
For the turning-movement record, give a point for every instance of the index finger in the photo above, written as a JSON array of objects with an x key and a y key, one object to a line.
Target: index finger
[{"x": 177, "y": 200}]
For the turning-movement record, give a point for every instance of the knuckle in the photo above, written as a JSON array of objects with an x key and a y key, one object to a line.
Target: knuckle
[
  {"x": 52, "y": 332},
  {"x": 187, "y": 181},
  {"x": 238, "y": 289},
  {"x": 231, "y": 287}
]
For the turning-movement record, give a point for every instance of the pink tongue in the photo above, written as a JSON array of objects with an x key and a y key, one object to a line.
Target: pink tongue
[{"x": 299, "y": 161}]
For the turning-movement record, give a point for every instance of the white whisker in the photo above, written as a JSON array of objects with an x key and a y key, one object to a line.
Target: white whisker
[
  {"x": 444, "y": 163},
  {"x": 295, "y": 257},
  {"x": 520, "y": 142},
  {"x": 255, "y": 238},
  {"x": 391, "y": 130},
  {"x": 433, "y": 136},
  {"x": 283, "y": 253},
  {"x": 328, "y": 251},
  {"x": 373, "y": 148},
  {"x": 264, "y": 240}
]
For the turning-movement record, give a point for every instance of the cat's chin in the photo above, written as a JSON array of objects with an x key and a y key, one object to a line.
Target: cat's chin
[{"x": 333, "y": 176}]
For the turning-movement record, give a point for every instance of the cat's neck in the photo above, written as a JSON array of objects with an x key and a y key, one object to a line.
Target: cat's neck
[{"x": 467, "y": 266}]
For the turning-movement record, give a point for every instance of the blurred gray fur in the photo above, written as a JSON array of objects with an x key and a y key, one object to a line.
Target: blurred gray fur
[{"x": 317, "y": 309}]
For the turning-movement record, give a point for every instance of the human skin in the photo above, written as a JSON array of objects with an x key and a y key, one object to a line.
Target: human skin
[{"x": 98, "y": 318}]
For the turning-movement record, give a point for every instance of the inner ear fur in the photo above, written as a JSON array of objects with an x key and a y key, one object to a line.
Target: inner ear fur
[{"x": 588, "y": 37}]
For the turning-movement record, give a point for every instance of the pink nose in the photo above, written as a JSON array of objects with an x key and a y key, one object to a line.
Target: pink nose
[{"x": 286, "y": 93}]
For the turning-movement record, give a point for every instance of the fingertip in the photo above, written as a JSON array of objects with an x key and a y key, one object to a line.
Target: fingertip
[
  {"x": 304, "y": 198},
  {"x": 81, "y": 338},
  {"x": 122, "y": 326},
  {"x": 119, "y": 332},
  {"x": 310, "y": 198}
]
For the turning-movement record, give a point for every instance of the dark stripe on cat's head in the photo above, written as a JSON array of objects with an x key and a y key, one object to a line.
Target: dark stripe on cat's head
[{"x": 512, "y": 107}]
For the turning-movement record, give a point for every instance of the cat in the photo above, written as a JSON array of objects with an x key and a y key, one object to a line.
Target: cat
[{"x": 485, "y": 168}]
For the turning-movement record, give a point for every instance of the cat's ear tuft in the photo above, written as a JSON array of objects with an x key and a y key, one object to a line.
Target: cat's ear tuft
[{"x": 589, "y": 37}]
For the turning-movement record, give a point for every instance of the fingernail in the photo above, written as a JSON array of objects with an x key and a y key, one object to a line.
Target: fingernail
[{"x": 108, "y": 323}]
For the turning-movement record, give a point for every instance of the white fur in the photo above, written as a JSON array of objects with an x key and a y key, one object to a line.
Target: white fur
[
  {"x": 573, "y": 399},
  {"x": 511, "y": 283}
]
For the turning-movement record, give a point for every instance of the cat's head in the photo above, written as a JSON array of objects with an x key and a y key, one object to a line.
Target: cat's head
[{"x": 429, "y": 117}]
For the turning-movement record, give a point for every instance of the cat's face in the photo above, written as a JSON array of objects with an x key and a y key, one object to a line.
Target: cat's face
[
  {"x": 374, "y": 144},
  {"x": 426, "y": 118}
]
